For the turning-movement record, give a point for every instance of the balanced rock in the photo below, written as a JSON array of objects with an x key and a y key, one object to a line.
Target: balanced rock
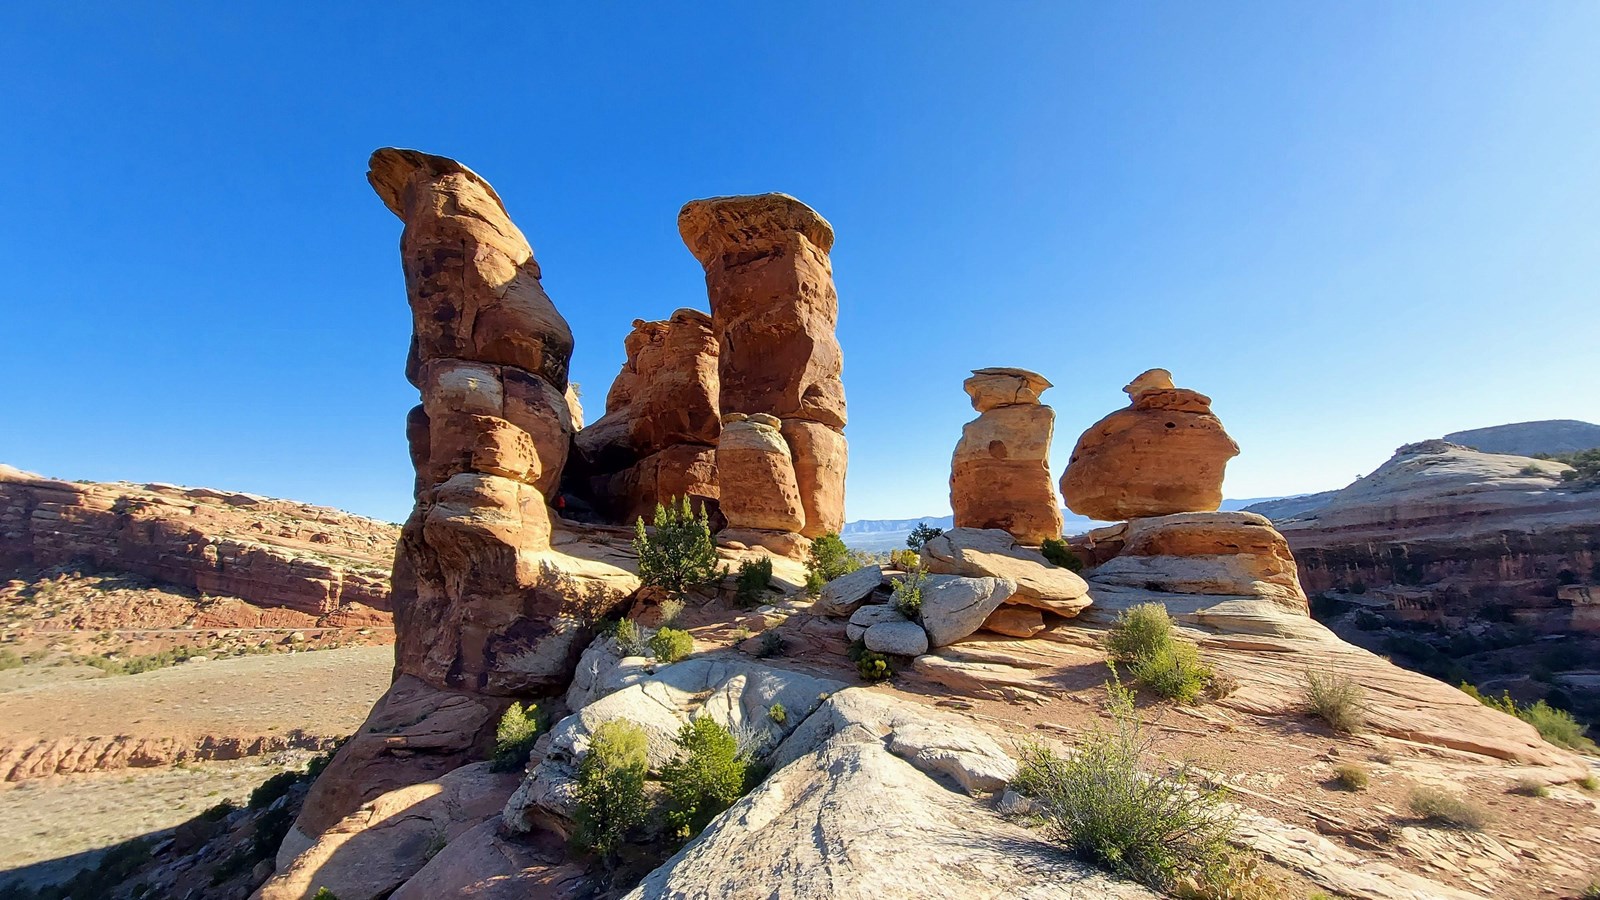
[
  {"x": 954, "y": 607},
  {"x": 976, "y": 553},
  {"x": 774, "y": 310},
  {"x": 1000, "y": 474},
  {"x": 1165, "y": 453}
]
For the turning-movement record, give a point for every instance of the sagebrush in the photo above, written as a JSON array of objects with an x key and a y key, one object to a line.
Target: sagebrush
[
  {"x": 1144, "y": 641},
  {"x": 1336, "y": 700}
]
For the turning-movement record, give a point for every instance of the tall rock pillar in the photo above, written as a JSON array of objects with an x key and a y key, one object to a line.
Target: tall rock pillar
[
  {"x": 1000, "y": 475},
  {"x": 774, "y": 310}
]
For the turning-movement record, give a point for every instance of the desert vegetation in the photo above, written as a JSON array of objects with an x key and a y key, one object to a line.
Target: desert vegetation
[
  {"x": 1336, "y": 700},
  {"x": 752, "y": 581},
  {"x": 1438, "y": 806},
  {"x": 1557, "y": 726},
  {"x": 677, "y": 554},
  {"x": 1144, "y": 641},
  {"x": 514, "y": 737},
  {"x": 1057, "y": 553}
]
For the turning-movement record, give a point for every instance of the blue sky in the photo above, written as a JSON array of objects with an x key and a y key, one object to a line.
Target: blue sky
[{"x": 1354, "y": 225}]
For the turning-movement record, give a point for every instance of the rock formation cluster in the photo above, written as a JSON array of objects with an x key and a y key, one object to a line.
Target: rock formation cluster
[
  {"x": 1000, "y": 476},
  {"x": 1163, "y": 454},
  {"x": 773, "y": 310}
]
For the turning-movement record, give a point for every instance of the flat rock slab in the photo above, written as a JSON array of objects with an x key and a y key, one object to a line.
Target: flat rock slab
[
  {"x": 898, "y": 638},
  {"x": 845, "y": 594}
]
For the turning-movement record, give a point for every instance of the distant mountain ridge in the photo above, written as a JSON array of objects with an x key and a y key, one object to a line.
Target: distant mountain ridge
[
  {"x": 888, "y": 534},
  {"x": 1528, "y": 438}
]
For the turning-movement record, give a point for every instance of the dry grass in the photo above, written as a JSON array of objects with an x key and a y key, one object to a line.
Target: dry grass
[
  {"x": 1336, "y": 700},
  {"x": 1441, "y": 807}
]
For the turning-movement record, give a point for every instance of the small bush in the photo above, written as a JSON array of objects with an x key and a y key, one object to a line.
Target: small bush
[
  {"x": 856, "y": 650},
  {"x": 1139, "y": 631},
  {"x": 1554, "y": 725},
  {"x": 873, "y": 666},
  {"x": 629, "y": 642},
  {"x": 9, "y": 659},
  {"x": 908, "y": 595},
  {"x": 679, "y": 554},
  {"x": 771, "y": 645},
  {"x": 704, "y": 778},
  {"x": 1592, "y": 891},
  {"x": 670, "y": 645},
  {"x": 610, "y": 788},
  {"x": 830, "y": 558},
  {"x": 324, "y": 894},
  {"x": 754, "y": 576},
  {"x": 267, "y": 792},
  {"x": 1590, "y": 783},
  {"x": 1351, "y": 777},
  {"x": 904, "y": 560},
  {"x": 1057, "y": 553},
  {"x": 1143, "y": 639},
  {"x": 1336, "y": 700},
  {"x": 922, "y": 534},
  {"x": 777, "y": 713},
  {"x": 1440, "y": 807},
  {"x": 1159, "y": 829},
  {"x": 670, "y": 609},
  {"x": 1529, "y": 787},
  {"x": 514, "y": 737}
]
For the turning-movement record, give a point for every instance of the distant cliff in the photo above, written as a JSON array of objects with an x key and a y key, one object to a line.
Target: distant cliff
[{"x": 1551, "y": 436}]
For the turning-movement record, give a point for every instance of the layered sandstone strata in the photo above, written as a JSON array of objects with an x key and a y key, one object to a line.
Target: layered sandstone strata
[
  {"x": 1000, "y": 474},
  {"x": 657, "y": 440},
  {"x": 1163, "y": 454},
  {"x": 774, "y": 310},
  {"x": 269, "y": 553},
  {"x": 485, "y": 609}
]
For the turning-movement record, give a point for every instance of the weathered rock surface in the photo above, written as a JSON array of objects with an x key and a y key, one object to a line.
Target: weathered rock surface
[
  {"x": 991, "y": 552},
  {"x": 1440, "y": 529},
  {"x": 954, "y": 607},
  {"x": 1016, "y": 621},
  {"x": 774, "y": 310},
  {"x": 899, "y": 638},
  {"x": 484, "y": 865},
  {"x": 845, "y": 594},
  {"x": 868, "y": 616},
  {"x": 817, "y": 826},
  {"x": 269, "y": 553},
  {"x": 1000, "y": 473},
  {"x": 757, "y": 477},
  {"x": 485, "y": 609},
  {"x": 657, "y": 439},
  {"x": 736, "y": 693},
  {"x": 1165, "y": 453},
  {"x": 1233, "y": 553},
  {"x": 377, "y": 848}
]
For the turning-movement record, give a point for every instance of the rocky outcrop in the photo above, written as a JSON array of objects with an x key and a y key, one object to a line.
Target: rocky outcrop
[
  {"x": 1440, "y": 531},
  {"x": 757, "y": 475},
  {"x": 1230, "y": 553},
  {"x": 269, "y": 553},
  {"x": 1165, "y": 453},
  {"x": 1000, "y": 474},
  {"x": 490, "y": 601},
  {"x": 1551, "y": 436},
  {"x": 990, "y": 552},
  {"x": 954, "y": 607},
  {"x": 774, "y": 310},
  {"x": 657, "y": 440}
]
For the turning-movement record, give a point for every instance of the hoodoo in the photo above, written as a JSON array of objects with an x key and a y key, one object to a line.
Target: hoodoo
[{"x": 1000, "y": 476}]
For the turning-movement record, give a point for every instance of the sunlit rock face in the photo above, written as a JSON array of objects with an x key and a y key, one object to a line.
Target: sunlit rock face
[{"x": 1000, "y": 474}]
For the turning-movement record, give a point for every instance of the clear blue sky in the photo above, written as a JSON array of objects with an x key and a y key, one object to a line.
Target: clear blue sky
[{"x": 1354, "y": 225}]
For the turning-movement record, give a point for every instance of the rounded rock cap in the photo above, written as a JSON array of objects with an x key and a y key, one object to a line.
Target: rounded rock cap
[
  {"x": 1004, "y": 386},
  {"x": 1149, "y": 380},
  {"x": 718, "y": 225},
  {"x": 391, "y": 169}
]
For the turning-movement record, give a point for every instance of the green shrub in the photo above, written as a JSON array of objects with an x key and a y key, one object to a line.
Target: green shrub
[
  {"x": 922, "y": 534},
  {"x": 324, "y": 894},
  {"x": 1336, "y": 700},
  {"x": 1554, "y": 725},
  {"x": 669, "y": 610},
  {"x": 1139, "y": 631},
  {"x": 1056, "y": 552},
  {"x": 1351, "y": 777},
  {"x": 856, "y": 650},
  {"x": 1592, "y": 891},
  {"x": 1174, "y": 671},
  {"x": 1440, "y": 807},
  {"x": 754, "y": 577},
  {"x": 904, "y": 560},
  {"x": 629, "y": 642},
  {"x": 679, "y": 554},
  {"x": 830, "y": 558},
  {"x": 267, "y": 792},
  {"x": 1161, "y": 829},
  {"x": 1590, "y": 783},
  {"x": 271, "y": 828},
  {"x": 670, "y": 645},
  {"x": 1143, "y": 640},
  {"x": 704, "y": 778},
  {"x": 138, "y": 665},
  {"x": 771, "y": 645},
  {"x": 873, "y": 666},
  {"x": 515, "y": 735},
  {"x": 908, "y": 594},
  {"x": 610, "y": 788},
  {"x": 777, "y": 713},
  {"x": 9, "y": 659}
]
